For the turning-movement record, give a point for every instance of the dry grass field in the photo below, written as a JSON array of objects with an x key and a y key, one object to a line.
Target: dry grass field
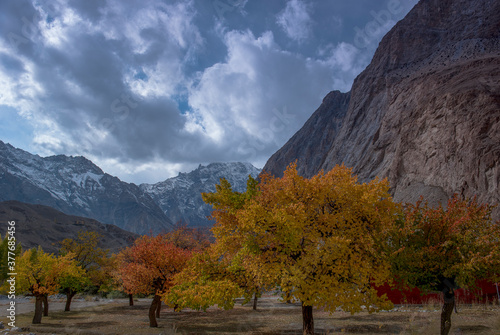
[{"x": 271, "y": 318}]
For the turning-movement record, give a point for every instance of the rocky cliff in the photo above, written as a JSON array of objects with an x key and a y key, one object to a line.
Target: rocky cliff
[{"x": 425, "y": 113}]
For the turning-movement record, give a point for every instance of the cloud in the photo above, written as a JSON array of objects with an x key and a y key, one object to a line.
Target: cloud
[
  {"x": 148, "y": 88},
  {"x": 295, "y": 20},
  {"x": 254, "y": 101},
  {"x": 81, "y": 88}
]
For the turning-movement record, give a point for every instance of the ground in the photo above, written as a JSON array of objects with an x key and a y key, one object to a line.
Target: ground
[{"x": 272, "y": 318}]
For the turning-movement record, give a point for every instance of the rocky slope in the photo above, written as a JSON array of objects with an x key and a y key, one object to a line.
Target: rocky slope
[
  {"x": 180, "y": 197},
  {"x": 425, "y": 113},
  {"x": 38, "y": 225},
  {"x": 76, "y": 186}
]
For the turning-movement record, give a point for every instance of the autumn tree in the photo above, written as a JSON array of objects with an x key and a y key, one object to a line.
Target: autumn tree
[
  {"x": 38, "y": 275},
  {"x": 221, "y": 273},
  {"x": 189, "y": 238},
  {"x": 210, "y": 279},
  {"x": 228, "y": 250},
  {"x": 88, "y": 256},
  {"x": 321, "y": 240},
  {"x": 203, "y": 283},
  {"x": 149, "y": 266},
  {"x": 443, "y": 248}
]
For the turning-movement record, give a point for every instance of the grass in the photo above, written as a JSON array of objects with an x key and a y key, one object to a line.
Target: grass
[{"x": 271, "y": 318}]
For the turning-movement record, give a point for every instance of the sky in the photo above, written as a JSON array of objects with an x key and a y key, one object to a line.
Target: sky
[{"x": 150, "y": 88}]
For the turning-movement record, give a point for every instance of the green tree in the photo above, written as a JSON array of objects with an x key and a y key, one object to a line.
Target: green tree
[
  {"x": 72, "y": 279},
  {"x": 443, "y": 248}
]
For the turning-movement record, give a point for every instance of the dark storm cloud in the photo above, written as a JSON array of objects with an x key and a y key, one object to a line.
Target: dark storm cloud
[{"x": 148, "y": 88}]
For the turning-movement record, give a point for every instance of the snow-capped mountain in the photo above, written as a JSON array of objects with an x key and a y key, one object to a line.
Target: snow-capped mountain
[
  {"x": 180, "y": 197},
  {"x": 76, "y": 186}
]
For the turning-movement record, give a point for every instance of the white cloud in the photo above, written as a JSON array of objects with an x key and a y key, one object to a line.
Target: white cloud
[
  {"x": 295, "y": 20},
  {"x": 257, "y": 99},
  {"x": 165, "y": 32},
  {"x": 19, "y": 89}
]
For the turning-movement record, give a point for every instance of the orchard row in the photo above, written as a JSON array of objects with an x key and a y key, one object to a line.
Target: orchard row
[{"x": 327, "y": 241}]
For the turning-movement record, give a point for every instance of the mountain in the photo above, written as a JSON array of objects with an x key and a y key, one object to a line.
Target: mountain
[
  {"x": 320, "y": 131},
  {"x": 425, "y": 113},
  {"x": 76, "y": 186},
  {"x": 180, "y": 197},
  {"x": 38, "y": 225}
]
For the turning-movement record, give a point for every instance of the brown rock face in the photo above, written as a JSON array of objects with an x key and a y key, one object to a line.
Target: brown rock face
[{"x": 426, "y": 112}]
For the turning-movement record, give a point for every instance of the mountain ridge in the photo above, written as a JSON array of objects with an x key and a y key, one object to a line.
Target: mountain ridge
[{"x": 76, "y": 186}]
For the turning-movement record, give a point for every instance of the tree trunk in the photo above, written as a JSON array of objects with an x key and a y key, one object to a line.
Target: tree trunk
[
  {"x": 255, "y": 301},
  {"x": 152, "y": 311},
  {"x": 69, "y": 297},
  {"x": 449, "y": 304},
  {"x": 158, "y": 309},
  {"x": 37, "y": 318},
  {"x": 131, "y": 300},
  {"x": 45, "y": 305},
  {"x": 307, "y": 320}
]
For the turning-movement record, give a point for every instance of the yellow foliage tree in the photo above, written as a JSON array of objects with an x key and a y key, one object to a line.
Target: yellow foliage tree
[
  {"x": 221, "y": 273},
  {"x": 322, "y": 241},
  {"x": 213, "y": 279},
  {"x": 90, "y": 258},
  {"x": 38, "y": 274}
]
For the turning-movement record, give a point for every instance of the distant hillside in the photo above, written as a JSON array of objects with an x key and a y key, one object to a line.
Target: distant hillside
[{"x": 42, "y": 225}]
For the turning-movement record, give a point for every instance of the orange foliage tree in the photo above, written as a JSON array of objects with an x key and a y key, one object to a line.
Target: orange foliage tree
[
  {"x": 189, "y": 238},
  {"x": 322, "y": 241},
  {"x": 442, "y": 248},
  {"x": 148, "y": 267}
]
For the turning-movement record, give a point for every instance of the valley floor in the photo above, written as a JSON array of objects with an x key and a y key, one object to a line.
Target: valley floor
[{"x": 271, "y": 318}]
